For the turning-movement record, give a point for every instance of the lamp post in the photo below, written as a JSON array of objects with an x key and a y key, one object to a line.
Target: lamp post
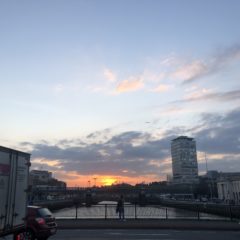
[{"x": 95, "y": 182}]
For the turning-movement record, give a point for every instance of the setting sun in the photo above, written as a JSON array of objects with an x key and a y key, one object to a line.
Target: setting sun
[{"x": 108, "y": 181}]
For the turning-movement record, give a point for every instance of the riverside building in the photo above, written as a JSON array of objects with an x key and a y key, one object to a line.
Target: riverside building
[
  {"x": 184, "y": 160},
  {"x": 228, "y": 186}
]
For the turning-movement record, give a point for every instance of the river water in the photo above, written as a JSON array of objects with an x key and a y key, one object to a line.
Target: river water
[{"x": 107, "y": 209}]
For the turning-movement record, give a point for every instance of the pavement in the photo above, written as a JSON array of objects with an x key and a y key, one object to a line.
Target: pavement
[{"x": 148, "y": 224}]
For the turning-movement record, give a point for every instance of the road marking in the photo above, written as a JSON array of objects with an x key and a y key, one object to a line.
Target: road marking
[
  {"x": 112, "y": 233},
  {"x": 158, "y": 238},
  {"x": 149, "y": 234},
  {"x": 138, "y": 234}
]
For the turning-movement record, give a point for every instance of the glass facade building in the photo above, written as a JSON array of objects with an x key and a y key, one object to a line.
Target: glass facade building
[{"x": 184, "y": 160}]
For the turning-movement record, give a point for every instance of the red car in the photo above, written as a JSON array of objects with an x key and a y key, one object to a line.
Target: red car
[{"x": 40, "y": 224}]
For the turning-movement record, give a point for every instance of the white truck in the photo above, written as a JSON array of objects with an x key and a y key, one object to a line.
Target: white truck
[{"x": 14, "y": 173}]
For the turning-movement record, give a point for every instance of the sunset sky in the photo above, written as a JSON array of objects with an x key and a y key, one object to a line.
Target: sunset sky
[{"x": 98, "y": 89}]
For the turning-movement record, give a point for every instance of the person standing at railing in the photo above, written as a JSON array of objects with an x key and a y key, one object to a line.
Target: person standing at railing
[{"x": 120, "y": 207}]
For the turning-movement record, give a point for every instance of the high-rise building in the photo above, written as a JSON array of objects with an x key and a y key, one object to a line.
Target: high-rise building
[{"x": 184, "y": 160}]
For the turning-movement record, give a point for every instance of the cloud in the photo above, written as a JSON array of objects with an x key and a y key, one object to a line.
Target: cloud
[
  {"x": 198, "y": 93},
  {"x": 169, "y": 60},
  {"x": 227, "y": 55},
  {"x": 157, "y": 76},
  {"x": 99, "y": 135},
  {"x": 153, "y": 76},
  {"x": 110, "y": 75},
  {"x": 220, "y": 134},
  {"x": 97, "y": 89},
  {"x": 162, "y": 88},
  {"x": 135, "y": 153},
  {"x": 224, "y": 163},
  {"x": 173, "y": 110},
  {"x": 191, "y": 71},
  {"x": 111, "y": 157},
  {"x": 197, "y": 69},
  {"x": 207, "y": 95},
  {"x": 130, "y": 85}
]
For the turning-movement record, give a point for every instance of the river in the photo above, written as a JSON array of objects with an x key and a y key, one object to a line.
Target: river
[{"x": 107, "y": 209}]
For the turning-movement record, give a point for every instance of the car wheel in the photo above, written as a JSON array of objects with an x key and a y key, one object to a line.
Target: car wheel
[{"x": 28, "y": 235}]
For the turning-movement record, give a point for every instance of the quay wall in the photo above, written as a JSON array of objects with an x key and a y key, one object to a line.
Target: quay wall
[{"x": 232, "y": 211}]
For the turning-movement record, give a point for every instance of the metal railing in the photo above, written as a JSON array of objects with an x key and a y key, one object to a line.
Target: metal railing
[{"x": 135, "y": 211}]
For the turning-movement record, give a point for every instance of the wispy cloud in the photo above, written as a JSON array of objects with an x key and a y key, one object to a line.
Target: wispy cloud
[
  {"x": 221, "y": 60},
  {"x": 198, "y": 93},
  {"x": 153, "y": 77},
  {"x": 147, "y": 79},
  {"x": 162, "y": 88},
  {"x": 191, "y": 71},
  {"x": 208, "y": 95},
  {"x": 110, "y": 75},
  {"x": 173, "y": 110},
  {"x": 158, "y": 76},
  {"x": 130, "y": 84},
  {"x": 227, "y": 55}
]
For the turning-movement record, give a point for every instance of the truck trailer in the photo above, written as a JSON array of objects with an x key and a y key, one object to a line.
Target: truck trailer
[{"x": 14, "y": 174}]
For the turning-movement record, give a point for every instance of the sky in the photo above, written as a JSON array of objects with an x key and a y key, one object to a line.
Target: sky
[{"x": 98, "y": 89}]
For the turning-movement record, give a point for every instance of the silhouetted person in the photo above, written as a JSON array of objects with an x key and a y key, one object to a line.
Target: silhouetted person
[{"x": 120, "y": 207}]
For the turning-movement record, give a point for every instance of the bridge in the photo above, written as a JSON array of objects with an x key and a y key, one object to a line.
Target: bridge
[
  {"x": 86, "y": 195},
  {"x": 58, "y": 198}
]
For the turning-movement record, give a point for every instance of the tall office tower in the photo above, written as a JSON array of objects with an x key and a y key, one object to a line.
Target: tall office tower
[{"x": 184, "y": 160}]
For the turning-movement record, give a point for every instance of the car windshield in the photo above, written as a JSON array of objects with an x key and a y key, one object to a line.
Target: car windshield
[{"x": 44, "y": 212}]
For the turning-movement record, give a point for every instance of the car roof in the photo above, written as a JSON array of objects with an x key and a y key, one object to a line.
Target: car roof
[{"x": 34, "y": 207}]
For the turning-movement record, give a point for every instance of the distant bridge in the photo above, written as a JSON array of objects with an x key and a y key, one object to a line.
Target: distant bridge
[{"x": 84, "y": 195}]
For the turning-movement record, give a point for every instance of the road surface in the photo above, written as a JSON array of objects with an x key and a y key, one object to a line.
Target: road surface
[{"x": 148, "y": 234}]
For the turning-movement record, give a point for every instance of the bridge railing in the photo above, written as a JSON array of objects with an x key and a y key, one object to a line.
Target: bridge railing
[{"x": 135, "y": 211}]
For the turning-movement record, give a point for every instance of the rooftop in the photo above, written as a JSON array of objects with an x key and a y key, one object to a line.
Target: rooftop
[{"x": 183, "y": 137}]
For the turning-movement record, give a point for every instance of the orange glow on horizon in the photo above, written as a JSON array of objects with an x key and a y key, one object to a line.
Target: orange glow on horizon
[
  {"x": 74, "y": 179},
  {"x": 89, "y": 181},
  {"x": 108, "y": 181}
]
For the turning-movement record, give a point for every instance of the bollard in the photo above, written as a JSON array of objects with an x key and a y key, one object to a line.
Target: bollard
[{"x": 166, "y": 213}]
